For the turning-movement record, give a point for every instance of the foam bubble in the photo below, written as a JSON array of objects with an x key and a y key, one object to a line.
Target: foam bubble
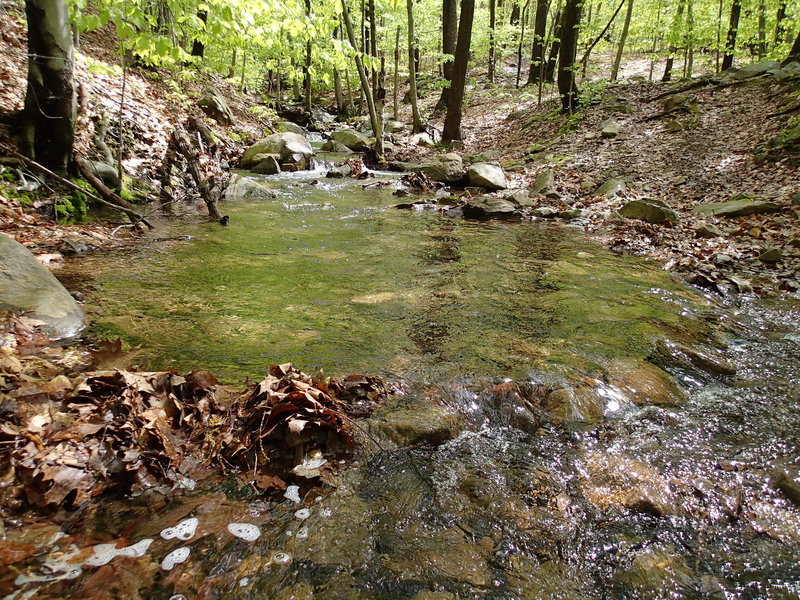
[
  {"x": 102, "y": 554},
  {"x": 281, "y": 558},
  {"x": 244, "y": 582},
  {"x": 303, "y": 513},
  {"x": 177, "y": 597},
  {"x": 183, "y": 531},
  {"x": 303, "y": 533},
  {"x": 293, "y": 493},
  {"x": 175, "y": 557},
  {"x": 246, "y": 531}
]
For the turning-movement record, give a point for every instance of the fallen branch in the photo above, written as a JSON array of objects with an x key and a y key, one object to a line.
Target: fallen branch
[
  {"x": 109, "y": 198},
  {"x": 132, "y": 215},
  {"x": 702, "y": 82},
  {"x": 208, "y": 193}
]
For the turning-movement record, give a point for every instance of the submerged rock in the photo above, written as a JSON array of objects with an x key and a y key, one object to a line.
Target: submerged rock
[
  {"x": 649, "y": 210},
  {"x": 487, "y": 207},
  {"x": 421, "y": 423},
  {"x": 644, "y": 383},
  {"x": 657, "y": 572},
  {"x": 574, "y": 405},
  {"x": 487, "y": 176},
  {"x": 28, "y": 286},
  {"x": 681, "y": 354}
]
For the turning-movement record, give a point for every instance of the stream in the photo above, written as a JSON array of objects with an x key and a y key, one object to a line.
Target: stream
[{"x": 572, "y": 424}]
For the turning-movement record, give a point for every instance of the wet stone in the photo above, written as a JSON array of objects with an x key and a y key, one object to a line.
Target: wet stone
[
  {"x": 420, "y": 423},
  {"x": 487, "y": 207},
  {"x": 656, "y": 573},
  {"x": 578, "y": 405},
  {"x": 644, "y": 383}
]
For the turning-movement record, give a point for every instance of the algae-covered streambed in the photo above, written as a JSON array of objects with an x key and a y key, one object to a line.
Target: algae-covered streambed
[
  {"x": 467, "y": 485},
  {"x": 330, "y": 277}
]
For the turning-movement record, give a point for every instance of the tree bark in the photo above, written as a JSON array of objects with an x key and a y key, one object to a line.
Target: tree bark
[
  {"x": 623, "y": 38},
  {"x": 492, "y": 17},
  {"x": 198, "y": 47},
  {"x": 375, "y": 119},
  {"x": 780, "y": 24},
  {"x": 307, "y": 66},
  {"x": 673, "y": 48},
  {"x": 396, "y": 72},
  {"x": 539, "y": 33},
  {"x": 449, "y": 32},
  {"x": 452, "y": 120},
  {"x": 762, "y": 29},
  {"x": 733, "y": 28},
  {"x": 48, "y": 122},
  {"x": 416, "y": 120},
  {"x": 209, "y": 192},
  {"x": 794, "y": 53},
  {"x": 567, "y": 88},
  {"x": 555, "y": 48}
]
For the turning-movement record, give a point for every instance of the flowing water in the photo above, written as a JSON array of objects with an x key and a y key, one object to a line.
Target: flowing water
[{"x": 469, "y": 485}]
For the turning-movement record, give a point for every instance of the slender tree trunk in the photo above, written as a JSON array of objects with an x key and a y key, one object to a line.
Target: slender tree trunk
[
  {"x": 198, "y": 47},
  {"x": 656, "y": 38},
  {"x": 449, "y": 32},
  {"x": 762, "y": 29},
  {"x": 539, "y": 34},
  {"x": 375, "y": 119},
  {"x": 513, "y": 19},
  {"x": 733, "y": 28},
  {"x": 307, "y": 66},
  {"x": 373, "y": 45},
  {"x": 396, "y": 72},
  {"x": 48, "y": 124},
  {"x": 521, "y": 40},
  {"x": 794, "y": 53},
  {"x": 567, "y": 88},
  {"x": 585, "y": 58},
  {"x": 555, "y": 47},
  {"x": 452, "y": 120},
  {"x": 672, "y": 47},
  {"x": 719, "y": 34},
  {"x": 780, "y": 24},
  {"x": 244, "y": 72},
  {"x": 623, "y": 38},
  {"x": 232, "y": 68},
  {"x": 689, "y": 38},
  {"x": 492, "y": 16},
  {"x": 416, "y": 125}
]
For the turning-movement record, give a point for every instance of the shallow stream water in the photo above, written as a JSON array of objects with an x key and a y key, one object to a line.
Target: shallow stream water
[{"x": 470, "y": 485}]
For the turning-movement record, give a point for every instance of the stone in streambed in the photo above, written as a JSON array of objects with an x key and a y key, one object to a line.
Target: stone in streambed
[
  {"x": 737, "y": 208},
  {"x": 334, "y": 146},
  {"x": 355, "y": 140},
  {"x": 290, "y": 127},
  {"x": 446, "y": 168},
  {"x": 27, "y": 286},
  {"x": 649, "y": 210},
  {"x": 284, "y": 145},
  {"x": 487, "y": 207},
  {"x": 644, "y": 383},
  {"x": 246, "y": 188},
  {"x": 487, "y": 175},
  {"x": 268, "y": 166},
  {"x": 545, "y": 212},
  {"x": 574, "y": 405},
  {"x": 339, "y": 172}
]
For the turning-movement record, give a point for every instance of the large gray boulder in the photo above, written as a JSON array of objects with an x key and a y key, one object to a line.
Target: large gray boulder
[
  {"x": 736, "y": 208},
  {"x": 215, "y": 106},
  {"x": 355, "y": 140},
  {"x": 447, "y": 168},
  {"x": 27, "y": 286},
  {"x": 487, "y": 175},
  {"x": 290, "y": 127},
  {"x": 283, "y": 144},
  {"x": 649, "y": 210},
  {"x": 334, "y": 146},
  {"x": 748, "y": 71},
  {"x": 487, "y": 207}
]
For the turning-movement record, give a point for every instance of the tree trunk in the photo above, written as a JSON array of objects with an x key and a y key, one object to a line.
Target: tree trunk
[
  {"x": 673, "y": 48},
  {"x": 689, "y": 38},
  {"x": 492, "y": 16},
  {"x": 733, "y": 28},
  {"x": 780, "y": 24},
  {"x": 307, "y": 66},
  {"x": 449, "y": 31},
  {"x": 416, "y": 120},
  {"x": 555, "y": 48},
  {"x": 373, "y": 45},
  {"x": 539, "y": 34},
  {"x": 623, "y": 38},
  {"x": 794, "y": 53},
  {"x": 521, "y": 41},
  {"x": 585, "y": 59},
  {"x": 656, "y": 37},
  {"x": 198, "y": 47},
  {"x": 452, "y": 120},
  {"x": 232, "y": 68},
  {"x": 567, "y": 88},
  {"x": 375, "y": 119},
  {"x": 48, "y": 124},
  {"x": 762, "y": 29},
  {"x": 396, "y": 72}
]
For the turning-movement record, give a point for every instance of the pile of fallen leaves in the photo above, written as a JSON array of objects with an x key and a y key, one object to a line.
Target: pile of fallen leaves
[{"x": 68, "y": 435}]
